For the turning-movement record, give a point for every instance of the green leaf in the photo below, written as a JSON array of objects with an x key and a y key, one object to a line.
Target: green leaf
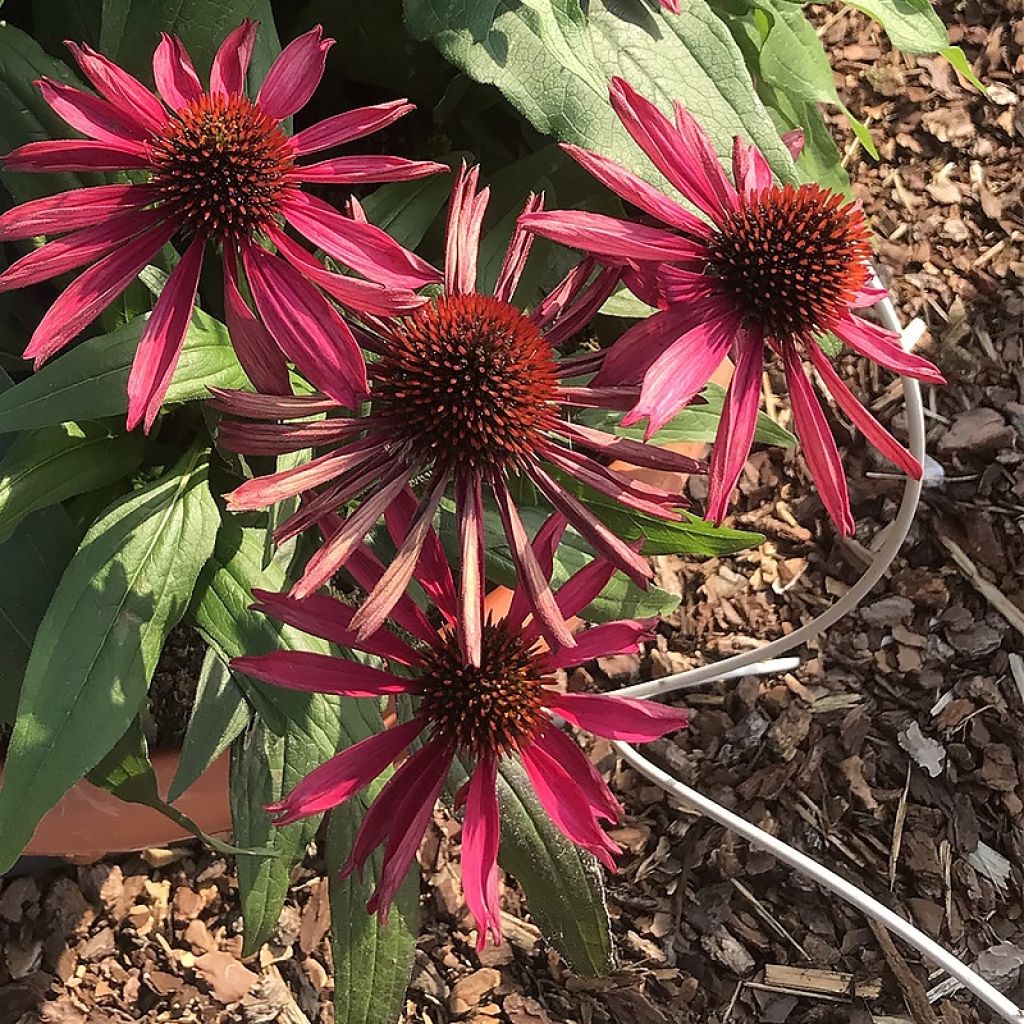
[
  {"x": 53, "y": 21},
  {"x": 24, "y": 114},
  {"x": 406, "y": 209},
  {"x": 564, "y": 885},
  {"x": 697, "y": 423},
  {"x": 131, "y": 31},
  {"x": 372, "y": 962},
  {"x": 45, "y": 466},
  {"x": 127, "y": 773},
  {"x": 219, "y": 714},
  {"x": 89, "y": 382},
  {"x": 295, "y": 732},
  {"x": 95, "y": 651},
  {"x": 553, "y": 65}
]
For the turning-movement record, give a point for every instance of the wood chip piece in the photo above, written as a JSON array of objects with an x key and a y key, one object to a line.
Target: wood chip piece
[{"x": 228, "y": 979}]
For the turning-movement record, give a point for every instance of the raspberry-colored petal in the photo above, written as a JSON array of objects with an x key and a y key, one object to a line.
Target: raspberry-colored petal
[
  {"x": 231, "y": 64},
  {"x": 736, "y": 428},
  {"x": 351, "y": 125},
  {"x": 161, "y": 341},
  {"x": 294, "y": 75},
  {"x": 74, "y": 155},
  {"x": 94, "y": 117},
  {"x": 93, "y": 290},
  {"x": 817, "y": 443},
  {"x": 594, "y": 789},
  {"x": 517, "y": 253},
  {"x": 469, "y": 512},
  {"x": 749, "y": 168},
  {"x": 623, "y": 637},
  {"x": 481, "y": 832},
  {"x": 69, "y": 211},
  {"x": 345, "y": 774},
  {"x": 619, "y": 718},
  {"x": 545, "y": 544},
  {"x": 465, "y": 218},
  {"x": 175, "y": 77},
  {"x": 671, "y": 5},
  {"x": 883, "y": 347},
  {"x": 363, "y": 247},
  {"x": 132, "y": 99},
  {"x": 862, "y": 419},
  {"x": 310, "y": 672},
  {"x": 793, "y": 140},
  {"x": 253, "y": 344},
  {"x": 359, "y": 170}
]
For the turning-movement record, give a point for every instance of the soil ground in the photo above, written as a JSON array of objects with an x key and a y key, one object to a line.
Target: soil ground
[{"x": 894, "y": 753}]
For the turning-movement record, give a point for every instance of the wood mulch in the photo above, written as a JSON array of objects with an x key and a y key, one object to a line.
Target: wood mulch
[{"x": 894, "y": 753}]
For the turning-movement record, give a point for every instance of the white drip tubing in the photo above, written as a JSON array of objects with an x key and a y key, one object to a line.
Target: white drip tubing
[{"x": 767, "y": 660}]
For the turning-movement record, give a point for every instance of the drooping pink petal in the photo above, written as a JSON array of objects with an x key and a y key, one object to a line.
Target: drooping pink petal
[
  {"x": 516, "y": 254},
  {"x": 93, "y": 290},
  {"x": 697, "y": 141},
  {"x": 164, "y": 334},
  {"x": 552, "y": 306},
  {"x": 306, "y": 326},
  {"x": 861, "y": 417},
  {"x": 339, "y": 548},
  {"x": 175, "y": 77},
  {"x": 357, "y": 170},
  {"x": 629, "y": 358},
  {"x": 363, "y": 247},
  {"x": 351, "y": 292},
  {"x": 610, "y": 238},
  {"x": 256, "y": 350},
  {"x": 793, "y": 140},
  {"x": 642, "y": 279},
  {"x": 74, "y": 155},
  {"x": 545, "y": 544},
  {"x": 604, "y": 541},
  {"x": 636, "y": 191},
  {"x": 326, "y": 617},
  {"x": 269, "y": 407},
  {"x": 230, "y": 65},
  {"x": 469, "y": 513},
  {"x": 568, "y": 808},
  {"x": 678, "y": 286},
  {"x": 481, "y": 832},
  {"x": 735, "y": 432},
  {"x": 345, "y": 774},
  {"x": 281, "y": 438},
  {"x": 68, "y": 211},
  {"x": 310, "y": 672},
  {"x": 529, "y": 573},
  {"x": 619, "y": 718},
  {"x": 817, "y": 443},
  {"x": 294, "y": 75},
  {"x": 584, "y": 586},
  {"x": 883, "y": 347},
  {"x": 683, "y": 159},
  {"x": 583, "y": 772},
  {"x": 749, "y": 168},
  {"x": 466, "y": 211},
  {"x": 622, "y": 637},
  {"x": 87, "y": 245},
  {"x": 351, "y": 125},
  {"x": 614, "y": 447},
  {"x": 314, "y": 505},
  {"x": 122, "y": 90},
  {"x": 682, "y": 370},
  {"x": 264, "y": 491},
  {"x": 868, "y": 296},
  {"x": 94, "y": 117},
  {"x": 374, "y": 610},
  {"x": 408, "y": 826},
  {"x": 578, "y": 315}
]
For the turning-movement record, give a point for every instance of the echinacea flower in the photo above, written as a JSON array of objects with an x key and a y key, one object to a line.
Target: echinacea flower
[
  {"x": 220, "y": 168},
  {"x": 503, "y": 707},
  {"x": 466, "y": 392},
  {"x": 775, "y": 265}
]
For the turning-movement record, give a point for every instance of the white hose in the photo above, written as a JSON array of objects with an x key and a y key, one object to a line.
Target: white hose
[{"x": 759, "y": 662}]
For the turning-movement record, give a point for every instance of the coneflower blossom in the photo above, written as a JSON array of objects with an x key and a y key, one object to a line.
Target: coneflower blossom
[
  {"x": 466, "y": 392},
  {"x": 503, "y": 707},
  {"x": 220, "y": 168},
  {"x": 775, "y": 265}
]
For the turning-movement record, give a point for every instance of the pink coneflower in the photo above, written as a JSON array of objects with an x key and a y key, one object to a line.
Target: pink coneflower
[
  {"x": 503, "y": 707},
  {"x": 467, "y": 392},
  {"x": 777, "y": 265},
  {"x": 220, "y": 169}
]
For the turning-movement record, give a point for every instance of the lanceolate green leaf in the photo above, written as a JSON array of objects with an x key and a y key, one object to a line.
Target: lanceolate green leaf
[
  {"x": 372, "y": 962},
  {"x": 24, "y": 114},
  {"x": 219, "y": 713},
  {"x": 131, "y": 31},
  {"x": 96, "y": 649},
  {"x": 89, "y": 382},
  {"x": 45, "y": 466},
  {"x": 553, "y": 64},
  {"x": 296, "y": 731}
]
